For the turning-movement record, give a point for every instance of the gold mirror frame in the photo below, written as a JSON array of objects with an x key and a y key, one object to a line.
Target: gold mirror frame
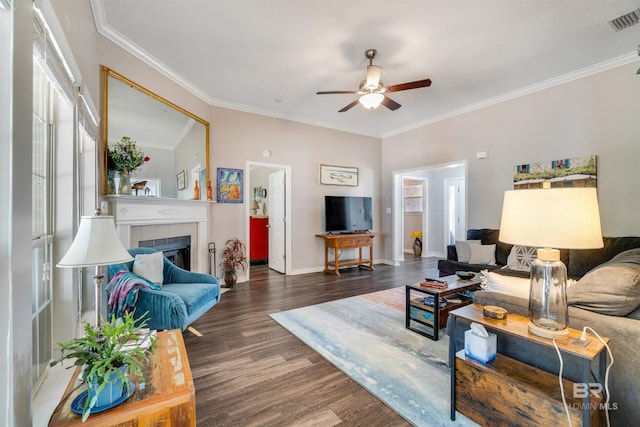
[{"x": 108, "y": 72}]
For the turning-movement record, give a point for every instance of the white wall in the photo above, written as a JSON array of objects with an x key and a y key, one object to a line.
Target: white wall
[
  {"x": 597, "y": 115},
  {"x": 303, "y": 147}
]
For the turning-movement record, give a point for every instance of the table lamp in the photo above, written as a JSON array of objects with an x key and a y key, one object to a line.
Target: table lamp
[
  {"x": 96, "y": 244},
  {"x": 546, "y": 218},
  {"x": 254, "y": 207}
]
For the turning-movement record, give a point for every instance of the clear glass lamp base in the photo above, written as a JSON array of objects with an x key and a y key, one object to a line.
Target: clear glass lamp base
[{"x": 547, "y": 333}]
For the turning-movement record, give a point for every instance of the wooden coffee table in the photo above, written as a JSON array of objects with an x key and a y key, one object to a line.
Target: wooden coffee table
[
  {"x": 435, "y": 317},
  {"x": 168, "y": 397}
]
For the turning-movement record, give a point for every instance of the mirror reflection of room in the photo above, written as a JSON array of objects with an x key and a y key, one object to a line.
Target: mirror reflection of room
[{"x": 151, "y": 143}]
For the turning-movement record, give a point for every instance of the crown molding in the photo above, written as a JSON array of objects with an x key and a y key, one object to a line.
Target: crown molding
[
  {"x": 528, "y": 90},
  {"x": 126, "y": 44},
  {"x": 115, "y": 36}
]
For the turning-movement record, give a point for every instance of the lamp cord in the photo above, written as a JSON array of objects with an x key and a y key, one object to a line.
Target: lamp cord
[
  {"x": 606, "y": 372},
  {"x": 564, "y": 400},
  {"x": 606, "y": 375}
]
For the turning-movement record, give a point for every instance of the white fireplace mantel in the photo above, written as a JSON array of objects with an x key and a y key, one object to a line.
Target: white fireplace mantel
[{"x": 131, "y": 211}]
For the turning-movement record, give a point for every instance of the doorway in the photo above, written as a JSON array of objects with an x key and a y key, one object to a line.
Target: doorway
[
  {"x": 434, "y": 224},
  {"x": 454, "y": 205},
  {"x": 268, "y": 196}
]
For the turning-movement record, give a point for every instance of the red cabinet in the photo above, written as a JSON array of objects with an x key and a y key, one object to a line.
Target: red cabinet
[{"x": 259, "y": 239}]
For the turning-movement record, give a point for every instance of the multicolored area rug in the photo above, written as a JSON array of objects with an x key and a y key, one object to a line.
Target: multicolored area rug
[{"x": 365, "y": 337}]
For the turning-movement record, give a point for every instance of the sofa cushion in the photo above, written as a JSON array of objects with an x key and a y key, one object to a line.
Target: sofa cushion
[
  {"x": 511, "y": 303},
  {"x": 150, "y": 266},
  {"x": 521, "y": 257},
  {"x": 583, "y": 260},
  {"x": 505, "y": 284},
  {"x": 489, "y": 236},
  {"x": 612, "y": 288},
  {"x": 462, "y": 249},
  {"x": 194, "y": 295},
  {"x": 482, "y": 254}
]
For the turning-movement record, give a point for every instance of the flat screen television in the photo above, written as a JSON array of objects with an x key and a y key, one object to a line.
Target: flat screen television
[{"x": 347, "y": 214}]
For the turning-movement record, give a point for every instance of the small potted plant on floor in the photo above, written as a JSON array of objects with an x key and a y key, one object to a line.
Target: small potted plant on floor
[
  {"x": 109, "y": 355},
  {"x": 233, "y": 258}
]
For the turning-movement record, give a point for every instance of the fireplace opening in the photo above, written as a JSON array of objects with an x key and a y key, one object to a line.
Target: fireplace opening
[{"x": 176, "y": 249}]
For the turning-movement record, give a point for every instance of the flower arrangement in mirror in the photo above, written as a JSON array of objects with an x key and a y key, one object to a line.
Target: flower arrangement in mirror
[
  {"x": 122, "y": 159},
  {"x": 125, "y": 157}
]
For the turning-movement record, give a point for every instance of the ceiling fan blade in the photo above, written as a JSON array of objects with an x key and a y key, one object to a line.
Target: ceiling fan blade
[
  {"x": 411, "y": 85},
  {"x": 390, "y": 103},
  {"x": 348, "y": 107},
  {"x": 331, "y": 92},
  {"x": 373, "y": 76}
]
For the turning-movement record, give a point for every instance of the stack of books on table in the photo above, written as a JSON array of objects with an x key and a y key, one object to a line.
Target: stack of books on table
[
  {"x": 430, "y": 301},
  {"x": 434, "y": 283}
]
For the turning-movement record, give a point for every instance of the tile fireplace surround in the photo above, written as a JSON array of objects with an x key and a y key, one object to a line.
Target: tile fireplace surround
[{"x": 142, "y": 218}]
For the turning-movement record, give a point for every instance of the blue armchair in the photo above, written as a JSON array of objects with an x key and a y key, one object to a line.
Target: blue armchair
[{"x": 184, "y": 297}]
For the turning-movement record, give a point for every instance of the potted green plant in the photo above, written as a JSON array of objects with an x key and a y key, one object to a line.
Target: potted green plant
[
  {"x": 233, "y": 257},
  {"x": 109, "y": 355}
]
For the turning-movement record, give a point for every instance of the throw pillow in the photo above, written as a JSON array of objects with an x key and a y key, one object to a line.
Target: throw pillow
[
  {"x": 613, "y": 288},
  {"x": 521, "y": 257},
  {"x": 510, "y": 285},
  {"x": 150, "y": 266},
  {"x": 462, "y": 249},
  {"x": 482, "y": 254}
]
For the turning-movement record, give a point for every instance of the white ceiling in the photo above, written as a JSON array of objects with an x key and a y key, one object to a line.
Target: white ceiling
[{"x": 271, "y": 57}]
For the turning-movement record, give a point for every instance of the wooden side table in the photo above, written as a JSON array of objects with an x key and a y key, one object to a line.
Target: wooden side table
[
  {"x": 347, "y": 241},
  {"x": 518, "y": 393},
  {"x": 168, "y": 397}
]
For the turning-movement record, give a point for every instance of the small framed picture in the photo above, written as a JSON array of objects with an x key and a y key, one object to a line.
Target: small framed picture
[
  {"x": 338, "y": 175},
  {"x": 181, "y": 180},
  {"x": 229, "y": 185}
]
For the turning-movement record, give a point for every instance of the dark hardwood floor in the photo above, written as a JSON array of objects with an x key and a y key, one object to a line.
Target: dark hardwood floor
[{"x": 249, "y": 371}]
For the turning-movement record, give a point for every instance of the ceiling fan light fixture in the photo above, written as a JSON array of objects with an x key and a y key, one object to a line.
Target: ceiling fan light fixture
[
  {"x": 373, "y": 76},
  {"x": 371, "y": 100}
]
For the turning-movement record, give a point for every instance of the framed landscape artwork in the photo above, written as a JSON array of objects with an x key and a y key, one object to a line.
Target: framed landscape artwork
[
  {"x": 573, "y": 172},
  {"x": 338, "y": 175},
  {"x": 229, "y": 188}
]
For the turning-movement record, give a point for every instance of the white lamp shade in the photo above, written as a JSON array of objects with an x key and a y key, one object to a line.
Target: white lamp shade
[
  {"x": 371, "y": 100},
  {"x": 562, "y": 218},
  {"x": 96, "y": 243}
]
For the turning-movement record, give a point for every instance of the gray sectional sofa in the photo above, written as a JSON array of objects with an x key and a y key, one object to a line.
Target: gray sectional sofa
[{"x": 603, "y": 298}]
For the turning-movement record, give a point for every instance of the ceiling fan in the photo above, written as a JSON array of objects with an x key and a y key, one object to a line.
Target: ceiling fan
[{"x": 372, "y": 91}]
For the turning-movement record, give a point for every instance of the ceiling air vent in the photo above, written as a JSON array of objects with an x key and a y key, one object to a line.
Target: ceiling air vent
[{"x": 626, "y": 20}]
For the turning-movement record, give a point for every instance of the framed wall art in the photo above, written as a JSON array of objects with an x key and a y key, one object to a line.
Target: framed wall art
[
  {"x": 338, "y": 175},
  {"x": 181, "y": 180},
  {"x": 229, "y": 188},
  {"x": 572, "y": 172}
]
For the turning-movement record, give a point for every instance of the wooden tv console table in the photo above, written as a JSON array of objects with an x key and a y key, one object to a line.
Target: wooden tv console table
[
  {"x": 168, "y": 397},
  {"x": 346, "y": 241}
]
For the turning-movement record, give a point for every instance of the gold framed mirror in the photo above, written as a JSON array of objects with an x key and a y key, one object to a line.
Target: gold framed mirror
[{"x": 174, "y": 142}]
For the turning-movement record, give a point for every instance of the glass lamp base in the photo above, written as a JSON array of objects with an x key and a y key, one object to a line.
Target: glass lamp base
[{"x": 547, "y": 333}]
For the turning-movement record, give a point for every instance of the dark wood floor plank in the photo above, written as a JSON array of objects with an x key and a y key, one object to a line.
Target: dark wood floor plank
[{"x": 249, "y": 371}]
